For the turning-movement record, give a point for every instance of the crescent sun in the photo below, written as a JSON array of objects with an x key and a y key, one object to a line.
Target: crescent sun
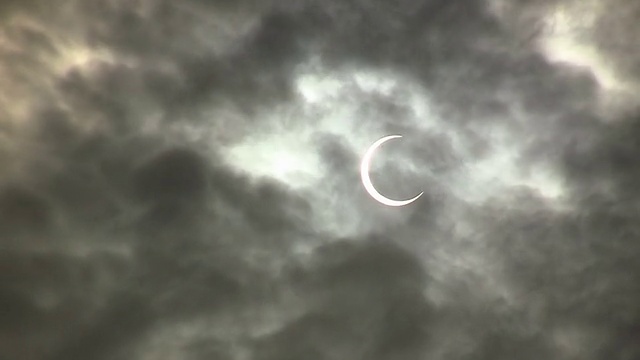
[{"x": 366, "y": 180}]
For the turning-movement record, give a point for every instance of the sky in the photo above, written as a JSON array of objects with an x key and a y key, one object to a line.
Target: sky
[{"x": 180, "y": 179}]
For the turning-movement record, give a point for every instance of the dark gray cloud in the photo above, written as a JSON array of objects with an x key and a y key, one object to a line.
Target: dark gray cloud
[{"x": 181, "y": 180}]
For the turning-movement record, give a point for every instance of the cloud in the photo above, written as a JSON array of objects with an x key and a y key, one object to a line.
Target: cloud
[
  {"x": 367, "y": 303},
  {"x": 181, "y": 180}
]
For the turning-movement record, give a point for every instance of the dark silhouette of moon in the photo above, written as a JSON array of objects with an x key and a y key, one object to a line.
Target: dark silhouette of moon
[{"x": 366, "y": 180}]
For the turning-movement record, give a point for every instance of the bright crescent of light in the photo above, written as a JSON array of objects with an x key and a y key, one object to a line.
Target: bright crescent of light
[{"x": 366, "y": 180}]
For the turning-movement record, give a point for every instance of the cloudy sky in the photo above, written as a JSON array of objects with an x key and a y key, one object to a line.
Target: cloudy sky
[{"x": 180, "y": 179}]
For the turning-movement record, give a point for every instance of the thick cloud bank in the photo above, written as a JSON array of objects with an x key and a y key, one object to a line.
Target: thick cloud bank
[{"x": 180, "y": 180}]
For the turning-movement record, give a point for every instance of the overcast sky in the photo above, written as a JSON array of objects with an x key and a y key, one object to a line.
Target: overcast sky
[{"x": 180, "y": 179}]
